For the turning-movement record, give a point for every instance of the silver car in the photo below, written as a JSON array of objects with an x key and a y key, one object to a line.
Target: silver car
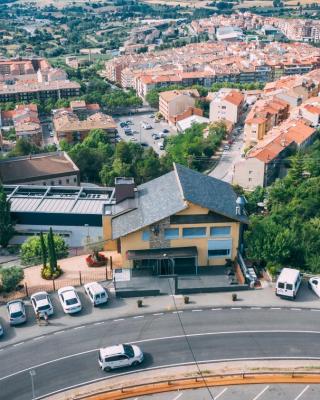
[{"x": 17, "y": 312}]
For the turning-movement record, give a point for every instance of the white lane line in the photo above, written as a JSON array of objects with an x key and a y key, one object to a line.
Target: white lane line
[
  {"x": 58, "y": 333},
  {"x": 38, "y": 338},
  {"x": 221, "y": 393},
  {"x": 98, "y": 323},
  {"x": 196, "y": 310},
  {"x": 301, "y": 393},
  {"x": 79, "y": 327},
  {"x": 18, "y": 344},
  {"x": 119, "y": 319},
  {"x": 177, "y": 312},
  {"x": 261, "y": 393},
  {"x": 255, "y": 308},
  {"x": 138, "y": 316},
  {"x": 275, "y": 308},
  {"x": 158, "y": 313},
  {"x": 314, "y": 309},
  {"x": 178, "y": 397},
  {"x": 216, "y": 309},
  {"x": 236, "y": 308},
  {"x": 295, "y": 309}
]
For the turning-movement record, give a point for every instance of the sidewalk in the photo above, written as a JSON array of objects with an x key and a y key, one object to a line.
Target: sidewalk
[{"x": 122, "y": 308}]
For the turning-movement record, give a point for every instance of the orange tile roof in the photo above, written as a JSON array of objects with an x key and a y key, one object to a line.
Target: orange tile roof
[
  {"x": 313, "y": 109},
  {"x": 234, "y": 97}
]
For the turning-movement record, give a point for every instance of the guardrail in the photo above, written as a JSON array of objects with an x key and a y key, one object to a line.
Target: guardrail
[{"x": 239, "y": 378}]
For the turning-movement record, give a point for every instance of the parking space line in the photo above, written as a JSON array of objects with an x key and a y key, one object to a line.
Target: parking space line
[
  {"x": 301, "y": 393},
  {"x": 178, "y": 397},
  {"x": 261, "y": 393},
  {"x": 221, "y": 393}
]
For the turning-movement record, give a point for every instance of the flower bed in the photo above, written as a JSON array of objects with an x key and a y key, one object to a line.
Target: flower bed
[{"x": 97, "y": 260}]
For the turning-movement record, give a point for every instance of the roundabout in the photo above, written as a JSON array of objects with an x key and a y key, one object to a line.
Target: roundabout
[{"x": 68, "y": 359}]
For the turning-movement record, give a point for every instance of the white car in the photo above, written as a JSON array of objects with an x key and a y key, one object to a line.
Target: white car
[
  {"x": 69, "y": 300},
  {"x": 96, "y": 293},
  {"x": 41, "y": 303},
  {"x": 314, "y": 284},
  {"x": 122, "y": 355}
]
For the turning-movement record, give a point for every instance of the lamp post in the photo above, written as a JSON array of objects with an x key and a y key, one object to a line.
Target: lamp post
[{"x": 32, "y": 373}]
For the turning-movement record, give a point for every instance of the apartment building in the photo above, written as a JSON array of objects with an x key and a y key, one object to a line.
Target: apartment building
[
  {"x": 175, "y": 105},
  {"x": 262, "y": 164},
  {"x": 263, "y": 116},
  {"x": 68, "y": 125},
  {"x": 226, "y": 105},
  {"x": 30, "y": 79}
]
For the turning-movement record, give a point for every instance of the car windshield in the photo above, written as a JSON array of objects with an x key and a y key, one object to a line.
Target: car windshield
[
  {"x": 17, "y": 314},
  {"x": 43, "y": 308},
  {"x": 70, "y": 302},
  {"x": 40, "y": 297},
  {"x": 128, "y": 350}
]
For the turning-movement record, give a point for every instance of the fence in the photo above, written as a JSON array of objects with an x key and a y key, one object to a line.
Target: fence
[{"x": 79, "y": 278}]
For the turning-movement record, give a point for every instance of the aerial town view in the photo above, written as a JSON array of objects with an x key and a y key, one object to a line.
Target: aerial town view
[{"x": 160, "y": 199}]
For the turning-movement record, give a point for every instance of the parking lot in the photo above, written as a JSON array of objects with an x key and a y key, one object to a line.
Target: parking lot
[
  {"x": 244, "y": 392},
  {"x": 140, "y": 134}
]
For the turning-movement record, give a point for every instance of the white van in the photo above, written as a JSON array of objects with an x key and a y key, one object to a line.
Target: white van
[
  {"x": 288, "y": 283},
  {"x": 96, "y": 293}
]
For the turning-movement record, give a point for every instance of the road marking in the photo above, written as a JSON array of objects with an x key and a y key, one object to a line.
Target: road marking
[
  {"x": 314, "y": 309},
  {"x": 303, "y": 391},
  {"x": 38, "y": 338},
  {"x": 177, "y": 312},
  {"x": 79, "y": 327},
  {"x": 295, "y": 309},
  {"x": 261, "y": 393},
  {"x": 18, "y": 344},
  {"x": 177, "y": 364},
  {"x": 216, "y": 309},
  {"x": 138, "y": 316},
  {"x": 236, "y": 308},
  {"x": 196, "y": 310},
  {"x": 58, "y": 333},
  {"x": 99, "y": 323},
  {"x": 119, "y": 319},
  {"x": 221, "y": 393},
  {"x": 255, "y": 308},
  {"x": 275, "y": 308},
  {"x": 158, "y": 313},
  {"x": 178, "y": 397}
]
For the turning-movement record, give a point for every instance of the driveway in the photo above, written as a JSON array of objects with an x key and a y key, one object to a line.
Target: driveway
[{"x": 142, "y": 135}]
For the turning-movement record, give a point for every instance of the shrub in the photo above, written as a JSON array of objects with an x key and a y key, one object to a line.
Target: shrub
[
  {"x": 31, "y": 249},
  {"x": 10, "y": 278},
  {"x": 273, "y": 269},
  {"x": 48, "y": 275}
]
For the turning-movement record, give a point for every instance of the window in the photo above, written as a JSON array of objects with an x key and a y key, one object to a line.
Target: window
[
  {"x": 171, "y": 233},
  {"x": 52, "y": 183},
  {"x": 67, "y": 180},
  {"x": 219, "y": 248},
  {"x": 289, "y": 286},
  {"x": 281, "y": 285},
  {"x": 220, "y": 231},
  {"x": 60, "y": 181},
  {"x": 74, "y": 180},
  {"x": 194, "y": 232},
  {"x": 145, "y": 235}
]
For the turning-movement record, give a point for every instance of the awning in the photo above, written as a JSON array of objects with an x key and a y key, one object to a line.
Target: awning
[{"x": 162, "y": 254}]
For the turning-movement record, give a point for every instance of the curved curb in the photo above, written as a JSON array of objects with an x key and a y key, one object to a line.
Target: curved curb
[{"x": 196, "y": 383}]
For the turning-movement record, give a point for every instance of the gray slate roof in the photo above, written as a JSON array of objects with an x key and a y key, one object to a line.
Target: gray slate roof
[{"x": 168, "y": 194}]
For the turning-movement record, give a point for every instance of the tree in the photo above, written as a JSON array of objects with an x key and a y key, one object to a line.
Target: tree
[
  {"x": 43, "y": 250},
  {"x": 52, "y": 252},
  {"x": 6, "y": 224},
  {"x": 10, "y": 278}
]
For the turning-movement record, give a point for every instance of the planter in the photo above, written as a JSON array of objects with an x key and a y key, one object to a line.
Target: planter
[
  {"x": 234, "y": 297},
  {"x": 99, "y": 261},
  {"x": 139, "y": 303},
  {"x": 186, "y": 299}
]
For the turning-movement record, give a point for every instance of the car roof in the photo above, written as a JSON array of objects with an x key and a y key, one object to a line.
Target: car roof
[
  {"x": 66, "y": 289},
  {"x": 112, "y": 350},
  {"x": 39, "y": 296},
  {"x": 95, "y": 286},
  {"x": 15, "y": 305}
]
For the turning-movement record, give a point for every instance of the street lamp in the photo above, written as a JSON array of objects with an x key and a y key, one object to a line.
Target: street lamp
[{"x": 32, "y": 373}]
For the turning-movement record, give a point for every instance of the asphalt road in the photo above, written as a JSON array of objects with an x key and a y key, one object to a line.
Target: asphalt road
[{"x": 69, "y": 358}]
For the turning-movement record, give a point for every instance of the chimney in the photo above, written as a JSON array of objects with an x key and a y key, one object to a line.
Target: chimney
[
  {"x": 240, "y": 204},
  {"x": 124, "y": 189}
]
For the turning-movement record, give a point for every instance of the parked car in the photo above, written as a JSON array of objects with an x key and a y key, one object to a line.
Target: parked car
[
  {"x": 129, "y": 122},
  {"x": 165, "y": 130},
  {"x": 1, "y": 330},
  {"x": 145, "y": 125},
  {"x": 230, "y": 141},
  {"x": 128, "y": 131},
  {"x": 161, "y": 145},
  {"x": 151, "y": 116},
  {"x": 133, "y": 139},
  {"x": 288, "y": 283},
  {"x": 144, "y": 144},
  {"x": 162, "y": 135},
  {"x": 41, "y": 303},
  {"x": 226, "y": 147},
  {"x": 17, "y": 312},
  {"x": 51, "y": 134},
  {"x": 69, "y": 300},
  {"x": 96, "y": 293},
  {"x": 314, "y": 284},
  {"x": 122, "y": 355},
  {"x": 156, "y": 136},
  {"x": 123, "y": 124}
]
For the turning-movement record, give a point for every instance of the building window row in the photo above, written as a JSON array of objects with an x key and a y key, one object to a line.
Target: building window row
[{"x": 190, "y": 233}]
